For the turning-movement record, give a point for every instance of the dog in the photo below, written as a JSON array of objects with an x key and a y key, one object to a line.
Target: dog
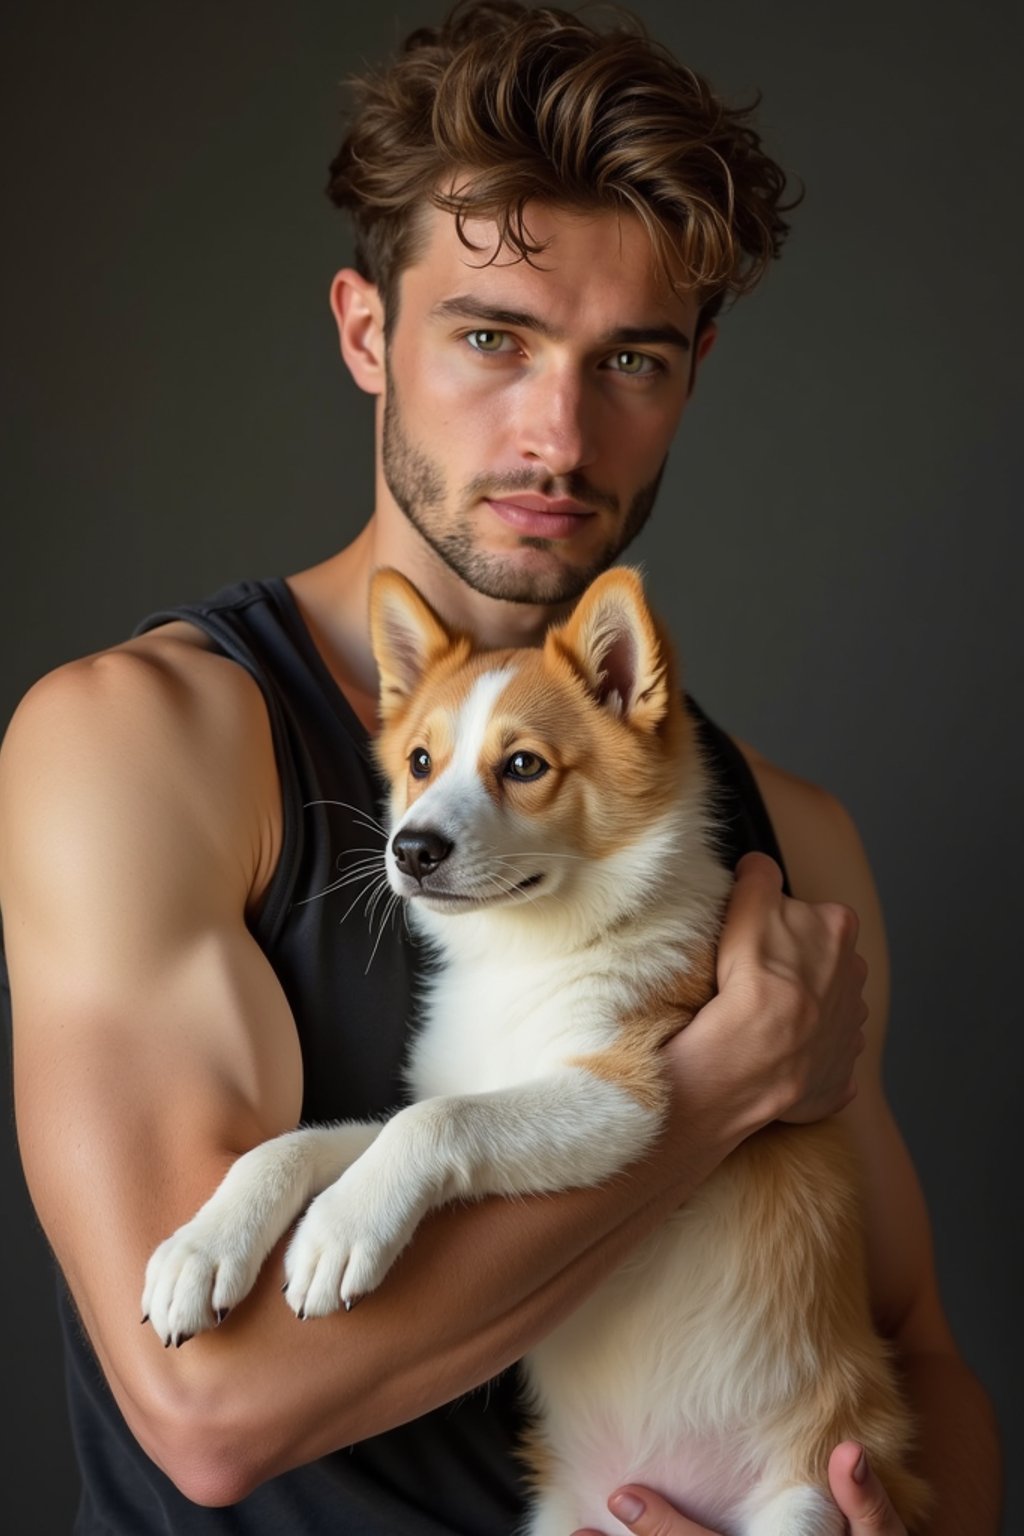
[{"x": 552, "y": 835}]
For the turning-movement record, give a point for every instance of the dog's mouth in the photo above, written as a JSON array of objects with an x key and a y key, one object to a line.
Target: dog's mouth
[{"x": 486, "y": 898}]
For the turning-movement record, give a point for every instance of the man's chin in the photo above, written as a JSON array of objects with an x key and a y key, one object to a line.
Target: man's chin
[
  {"x": 524, "y": 569},
  {"x": 533, "y": 574}
]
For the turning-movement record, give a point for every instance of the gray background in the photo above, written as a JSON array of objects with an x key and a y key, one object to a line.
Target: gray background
[{"x": 833, "y": 544}]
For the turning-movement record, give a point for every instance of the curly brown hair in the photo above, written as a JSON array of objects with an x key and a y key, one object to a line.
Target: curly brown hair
[{"x": 502, "y": 105}]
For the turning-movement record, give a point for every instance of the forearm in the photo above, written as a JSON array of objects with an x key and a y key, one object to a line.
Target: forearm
[
  {"x": 958, "y": 1445},
  {"x": 477, "y": 1288}
]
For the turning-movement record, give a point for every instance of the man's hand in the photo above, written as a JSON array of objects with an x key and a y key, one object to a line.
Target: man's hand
[
  {"x": 855, "y": 1488},
  {"x": 787, "y": 1023},
  {"x": 648, "y": 1514},
  {"x": 860, "y": 1495}
]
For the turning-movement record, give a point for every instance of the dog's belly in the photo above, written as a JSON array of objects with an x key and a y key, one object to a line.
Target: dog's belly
[
  {"x": 630, "y": 1392},
  {"x": 663, "y": 1377},
  {"x": 700, "y": 1480}
]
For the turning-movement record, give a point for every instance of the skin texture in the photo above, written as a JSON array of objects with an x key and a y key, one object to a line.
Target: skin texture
[{"x": 161, "y": 1046}]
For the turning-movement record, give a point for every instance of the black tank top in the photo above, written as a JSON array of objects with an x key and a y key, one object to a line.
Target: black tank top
[{"x": 350, "y": 987}]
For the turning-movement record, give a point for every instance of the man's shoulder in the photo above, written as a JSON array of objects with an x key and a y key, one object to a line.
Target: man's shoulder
[
  {"x": 158, "y": 726},
  {"x": 169, "y": 679}
]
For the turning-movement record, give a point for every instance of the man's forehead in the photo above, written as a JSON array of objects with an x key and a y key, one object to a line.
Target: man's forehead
[{"x": 592, "y": 260}]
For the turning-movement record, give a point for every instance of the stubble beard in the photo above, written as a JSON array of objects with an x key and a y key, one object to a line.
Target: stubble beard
[{"x": 417, "y": 483}]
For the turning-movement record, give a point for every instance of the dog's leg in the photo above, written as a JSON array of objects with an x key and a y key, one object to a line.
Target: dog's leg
[
  {"x": 567, "y": 1130},
  {"x": 207, "y": 1266}
]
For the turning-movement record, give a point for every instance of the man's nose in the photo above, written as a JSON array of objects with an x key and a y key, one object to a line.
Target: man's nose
[{"x": 555, "y": 426}]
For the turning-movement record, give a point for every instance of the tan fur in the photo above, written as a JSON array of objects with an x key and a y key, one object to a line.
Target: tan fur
[
  {"x": 589, "y": 640},
  {"x": 795, "y": 1215},
  {"x": 534, "y": 1454},
  {"x": 634, "y": 1062},
  {"x": 402, "y": 625}
]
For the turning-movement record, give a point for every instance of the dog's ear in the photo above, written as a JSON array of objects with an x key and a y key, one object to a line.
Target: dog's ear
[
  {"x": 406, "y": 634},
  {"x": 613, "y": 642}
]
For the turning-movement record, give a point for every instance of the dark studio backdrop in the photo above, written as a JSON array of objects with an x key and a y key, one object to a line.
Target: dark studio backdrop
[{"x": 836, "y": 542}]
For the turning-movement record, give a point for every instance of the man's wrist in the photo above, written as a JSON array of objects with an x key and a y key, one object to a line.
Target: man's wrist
[
  {"x": 718, "y": 1087},
  {"x": 714, "y": 1105}
]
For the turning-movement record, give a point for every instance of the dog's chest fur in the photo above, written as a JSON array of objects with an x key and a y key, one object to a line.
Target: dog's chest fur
[{"x": 505, "y": 1008}]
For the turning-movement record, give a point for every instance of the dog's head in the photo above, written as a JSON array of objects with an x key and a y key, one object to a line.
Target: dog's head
[{"x": 544, "y": 779}]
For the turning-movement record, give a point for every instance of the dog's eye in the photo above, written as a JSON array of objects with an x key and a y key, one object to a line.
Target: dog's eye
[
  {"x": 525, "y": 766},
  {"x": 419, "y": 763}
]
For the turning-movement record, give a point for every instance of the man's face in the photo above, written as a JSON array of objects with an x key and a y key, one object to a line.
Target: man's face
[{"x": 528, "y": 409}]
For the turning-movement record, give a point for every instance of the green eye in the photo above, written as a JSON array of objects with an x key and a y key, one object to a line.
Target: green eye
[
  {"x": 525, "y": 766},
  {"x": 486, "y": 341},
  {"x": 634, "y": 363},
  {"x": 419, "y": 763}
]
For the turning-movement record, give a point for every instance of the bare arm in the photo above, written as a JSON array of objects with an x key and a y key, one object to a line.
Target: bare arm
[
  {"x": 138, "y": 823},
  {"x": 959, "y": 1452}
]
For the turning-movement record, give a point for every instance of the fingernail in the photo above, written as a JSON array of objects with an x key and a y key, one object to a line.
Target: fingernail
[
  {"x": 860, "y": 1471},
  {"x": 626, "y": 1507}
]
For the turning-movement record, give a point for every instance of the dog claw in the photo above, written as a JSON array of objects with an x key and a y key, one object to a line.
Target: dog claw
[
  {"x": 222, "y": 1313},
  {"x": 144, "y": 1320},
  {"x": 351, "y": 1301},
  {"x": 180, "y": 1339}
]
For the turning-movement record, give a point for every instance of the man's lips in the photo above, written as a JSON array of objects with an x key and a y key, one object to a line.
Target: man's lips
[{"x": 541, "y": 516}]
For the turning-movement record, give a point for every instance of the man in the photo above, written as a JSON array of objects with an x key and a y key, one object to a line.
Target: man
[{"x": 547, "y": 224}]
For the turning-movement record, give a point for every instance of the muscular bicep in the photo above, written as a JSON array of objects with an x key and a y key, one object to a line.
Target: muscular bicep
[{"x": 152, "y": 1041}]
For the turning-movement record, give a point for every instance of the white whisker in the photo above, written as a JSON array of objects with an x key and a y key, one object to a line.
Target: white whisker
[
  {"x": 374, "y": 899},
  {"x": 362, "y": 871},
  {"x": 356, "y": 900},
  {"x": 388, "y": 911},
  {"x": 360, "y": 810},
  {"x": 364, "y": 866}
]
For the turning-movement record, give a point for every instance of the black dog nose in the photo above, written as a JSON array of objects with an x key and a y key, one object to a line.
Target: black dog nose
[{"x": 418, "y": 853}]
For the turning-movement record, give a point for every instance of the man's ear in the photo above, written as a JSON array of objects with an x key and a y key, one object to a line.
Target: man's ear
[
  {"x": 359, "y": 314},
  {"x": 406, "y": 634},
  {"x": 705, "y": 341}
]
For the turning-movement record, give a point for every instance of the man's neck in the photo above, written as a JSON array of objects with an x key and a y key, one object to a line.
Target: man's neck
[{"x": 334, "y": 596}]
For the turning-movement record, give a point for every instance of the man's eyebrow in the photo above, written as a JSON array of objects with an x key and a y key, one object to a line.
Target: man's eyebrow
[
  {"x": 648, "y": 335},
  {"x": 464, "y": 306}
]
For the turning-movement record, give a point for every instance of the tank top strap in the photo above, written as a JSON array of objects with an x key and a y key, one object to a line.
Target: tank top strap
[{"x": 743, "y": 823}]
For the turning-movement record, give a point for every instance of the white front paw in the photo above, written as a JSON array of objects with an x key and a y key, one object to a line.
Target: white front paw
[
  {"x": 194, "y": 1279},
  {"x": 348, "y": 1240}
]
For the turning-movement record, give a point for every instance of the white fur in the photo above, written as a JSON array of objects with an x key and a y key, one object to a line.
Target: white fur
[{"x": 794, "y": 1512}]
